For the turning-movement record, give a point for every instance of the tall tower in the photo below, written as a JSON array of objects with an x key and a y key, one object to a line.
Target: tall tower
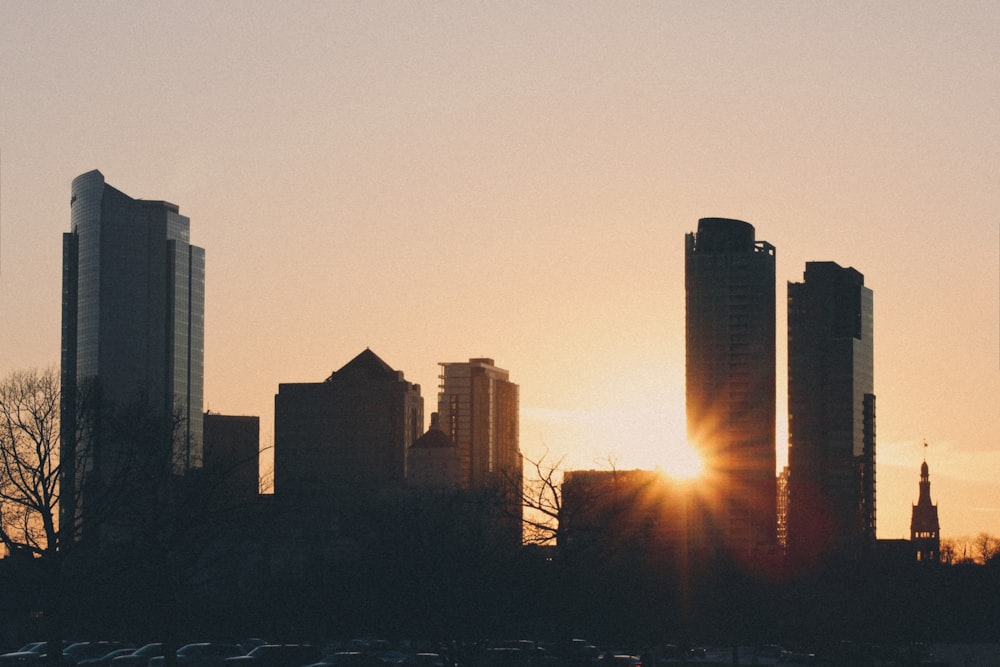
[
  {"x": 478, "y": 410},
  {"x": 729, "y": 284},
  {"x": 133, "y": 328},
  {"x": 831, "y": 413},
  {"x": 925, "y": 530}
]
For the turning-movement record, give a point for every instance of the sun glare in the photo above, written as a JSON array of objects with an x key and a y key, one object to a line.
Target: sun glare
[{"x": 683, "y": 462}]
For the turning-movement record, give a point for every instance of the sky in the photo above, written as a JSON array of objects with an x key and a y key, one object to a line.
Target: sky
[{"x": 439, "y": 180}]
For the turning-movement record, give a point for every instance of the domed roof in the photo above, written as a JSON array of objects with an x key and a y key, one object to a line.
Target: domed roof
[{"x": 433, "y": 439}]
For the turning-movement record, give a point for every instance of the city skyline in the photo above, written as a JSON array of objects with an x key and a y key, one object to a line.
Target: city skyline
[{"x": 515, "y": 182}]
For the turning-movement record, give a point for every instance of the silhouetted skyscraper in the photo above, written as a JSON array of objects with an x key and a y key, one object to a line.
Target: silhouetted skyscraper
[
  {"x": 925, "y": 530},
  {"x": 729, "y": 281},
  {"x": 831, "y": 413},
  {"x": 132, "y": 335}
]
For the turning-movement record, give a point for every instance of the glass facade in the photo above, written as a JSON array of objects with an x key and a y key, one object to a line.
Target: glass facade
[
  {"x": 134, "y": 313},
  {"x": 186, "y": 335},
  {"x": 85, "y": 218}
]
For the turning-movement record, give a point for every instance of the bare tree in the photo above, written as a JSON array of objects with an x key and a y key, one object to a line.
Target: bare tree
[
  {"x": 266, "y": 475},
  {"x": 545, "y": 519},
  {"x": 949, "y": 551},
  {"x": 986, "y": 547},
  {"x": 29, "y": 462},
  {"x": 40, "y": 489},
  {"x": 541, "y": 496},
  {"x": 70, "y": 509},
  {"x": 32, "y": 492}
]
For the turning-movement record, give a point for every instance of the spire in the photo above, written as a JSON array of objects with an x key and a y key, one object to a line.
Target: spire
[
  {"x": 925, "y": 530},
  {"x": 925, "y": 482}
]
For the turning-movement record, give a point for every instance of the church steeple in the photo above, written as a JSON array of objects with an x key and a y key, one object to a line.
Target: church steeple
[
  {"x": 925, "y": 530},
  {"x": 925, "y": 485}
]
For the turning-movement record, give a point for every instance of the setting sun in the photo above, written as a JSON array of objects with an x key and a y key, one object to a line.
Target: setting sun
[{"x": 683, "y": 462}]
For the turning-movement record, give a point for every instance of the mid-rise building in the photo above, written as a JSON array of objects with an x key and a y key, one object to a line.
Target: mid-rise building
[
  {"x": 831, "y": 414},
  {"x": 730, "y": 384},
  {"x": 231, "y": 467},
  {"x": 133, "y": 320},
  {"x": 478, "y": 409},
  {"x": 345, "y": 438}
]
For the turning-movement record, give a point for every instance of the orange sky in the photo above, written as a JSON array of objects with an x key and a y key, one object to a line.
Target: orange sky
[{"x": 514, "y": 180}]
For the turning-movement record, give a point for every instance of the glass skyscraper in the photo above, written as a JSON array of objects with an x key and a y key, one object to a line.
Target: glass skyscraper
[{"x": 133, "y": 331}]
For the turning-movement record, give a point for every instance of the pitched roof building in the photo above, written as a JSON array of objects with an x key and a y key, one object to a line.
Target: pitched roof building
[{"x": 348, "y": 436}]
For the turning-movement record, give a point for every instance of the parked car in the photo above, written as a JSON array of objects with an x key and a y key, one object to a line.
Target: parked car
[
  {"x": 140, "y": 657},
  {"x": 105, "y": 660},
  {"x": 391, "y": 657},
  {"x": 74, "y": 653},
  {"x": 277, "y": 655},
  {"x": 425, "y": 659},
  {"x": 621, "y": 660},
  {"x": 250, "y": 643},
  {"x": 28, "y": 653},
  {"x": 201, "y": 654},
  {"x": 350, "y": 659}
]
